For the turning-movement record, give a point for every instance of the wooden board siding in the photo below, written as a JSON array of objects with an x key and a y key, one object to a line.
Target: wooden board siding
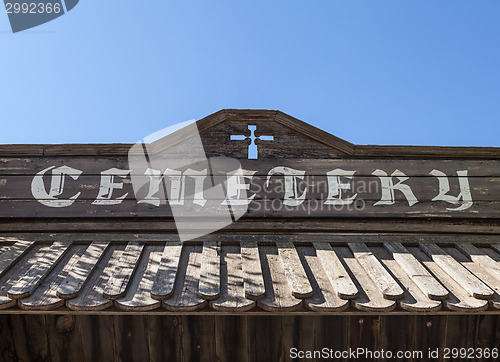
[
  {"x": 273, "y": 273},
  {"x": 233, "y": 338}
]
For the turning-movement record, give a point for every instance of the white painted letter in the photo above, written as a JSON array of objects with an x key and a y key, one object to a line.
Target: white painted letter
[
  {"x": 388, "y": 188},
  {"x": 291, "y": 192},
  {"x": 108, "y": 185},
  {"x": 335, "y": 187},
  {"x": 56, "y": 186},
  {"x": 236, "y": 184},
  {"x": 444, "y": 188},
  {"x": 177, "y": 186}
]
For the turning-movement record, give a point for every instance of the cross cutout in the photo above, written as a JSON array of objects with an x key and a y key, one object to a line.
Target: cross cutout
[{"x": 253, "y": 152}]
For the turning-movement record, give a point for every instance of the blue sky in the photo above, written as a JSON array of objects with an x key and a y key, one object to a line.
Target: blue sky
[{"x": 371, "y": 72}]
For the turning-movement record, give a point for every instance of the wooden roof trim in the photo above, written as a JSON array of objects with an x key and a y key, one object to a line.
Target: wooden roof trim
[
  {"x": 345, "y": 147},
  {"x": 406, "y": 274}
]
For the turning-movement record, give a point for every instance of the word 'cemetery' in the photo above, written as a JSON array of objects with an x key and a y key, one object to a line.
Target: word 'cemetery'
[{"x": 338, "y": 181}]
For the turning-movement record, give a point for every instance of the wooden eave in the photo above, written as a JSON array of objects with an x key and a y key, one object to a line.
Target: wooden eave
[{"x": 347, "y": 148}]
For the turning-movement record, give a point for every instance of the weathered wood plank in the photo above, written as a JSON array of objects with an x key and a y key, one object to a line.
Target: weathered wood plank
[
  {"x": 477, "y": 256},
  {"x": 64, "y": 338},
  {"x": 163, "y": 286},
  {"x": 459, "y": 299},
  {"x": 315, "y": 184},
  {"x": 294, "y": 271},
  {"x": 11, "y": 277},
  {"x": 138, "y": 294},
  {"x": 455, "y": 270},
  {"x": 97, "y": 337},
  {"x": 78, "y": 275},
  {"x": 370, "y": 298},
  {"x": 185, "y": 296},
  {"x": 39, "y": 270},
  {"x": 324, "y": 297},
  {"x": 382, "y": 279},
  {"x": 45, "y": 297},
  {"x": 417, "y": 272},
  {"x": 91, "y": 296},
  {"x": 13, "y": 253},
  {"x": 117, "y": 284},
  {"x": 259, "y": 208},
  {"x": 480, "y": 270},
  {"x": 363, "y": 167},
  {"x": 209, "y": 287},
  {"x": 252, "y": 271},
  {"x": 232, "y": 295},
  {"x": 336, "y": 272},
  {"x": 30, "y": 337},
  {"x": 279, "y": 296},
  {"x": 414, "y": 299}
]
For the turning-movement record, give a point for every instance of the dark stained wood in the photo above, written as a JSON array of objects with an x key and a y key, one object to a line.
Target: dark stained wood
[
  {"x": 436, "y": 226},
  {"x": 7, "y": 343},
  {"x": 97, "y": 337},
  {"x": 64, "y": 338},
  {"x": 232, "y": 342},
  {"x": 131, "y": 337},
  {"x": 30, "y": 337}
]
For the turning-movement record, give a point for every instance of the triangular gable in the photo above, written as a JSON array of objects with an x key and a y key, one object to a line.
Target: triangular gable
[{"x": 267, "y": 134}]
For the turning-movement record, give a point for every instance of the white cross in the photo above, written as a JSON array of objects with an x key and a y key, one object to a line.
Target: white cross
[{"x": 253, "y": 152}]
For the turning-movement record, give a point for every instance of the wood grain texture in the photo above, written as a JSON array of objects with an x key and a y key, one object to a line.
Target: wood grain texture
[
  {"x": 459, "y": 299},
  {"x": 252, "y": 271},
  {"x": 11, "y": 277},
  {"x": 414, "y": 299},
  {"x": 480, "y": 270},
  {"x": 138, "y": 295},
  {"x": 117, "y": 284},
  {"x": 417, "y": 272},
  {"x": 455, "y": 270},
  {"x": 185, "y": 296},
  {"x": 91, "y": 296},
  {"x": 294, "y": 271},
  {"x": 382, "y": 279},
  {"x": 478, "y": 257},
  {"x": 163, "y": 286},
  {"x": 325, "y": 297},
  {"x": 209, "y": 287},
  {"x": 12, "y": 253},
  {"x": 78, "y": 275},
  {"x": 370, "y": 298},
  {"x": 232, "y": 295},
  {"x": 336, "y": 272},
  {"x": 279, "y": 296},
  {"x": 45, "y": 297},
  {"x": 39, "y": 270}
]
